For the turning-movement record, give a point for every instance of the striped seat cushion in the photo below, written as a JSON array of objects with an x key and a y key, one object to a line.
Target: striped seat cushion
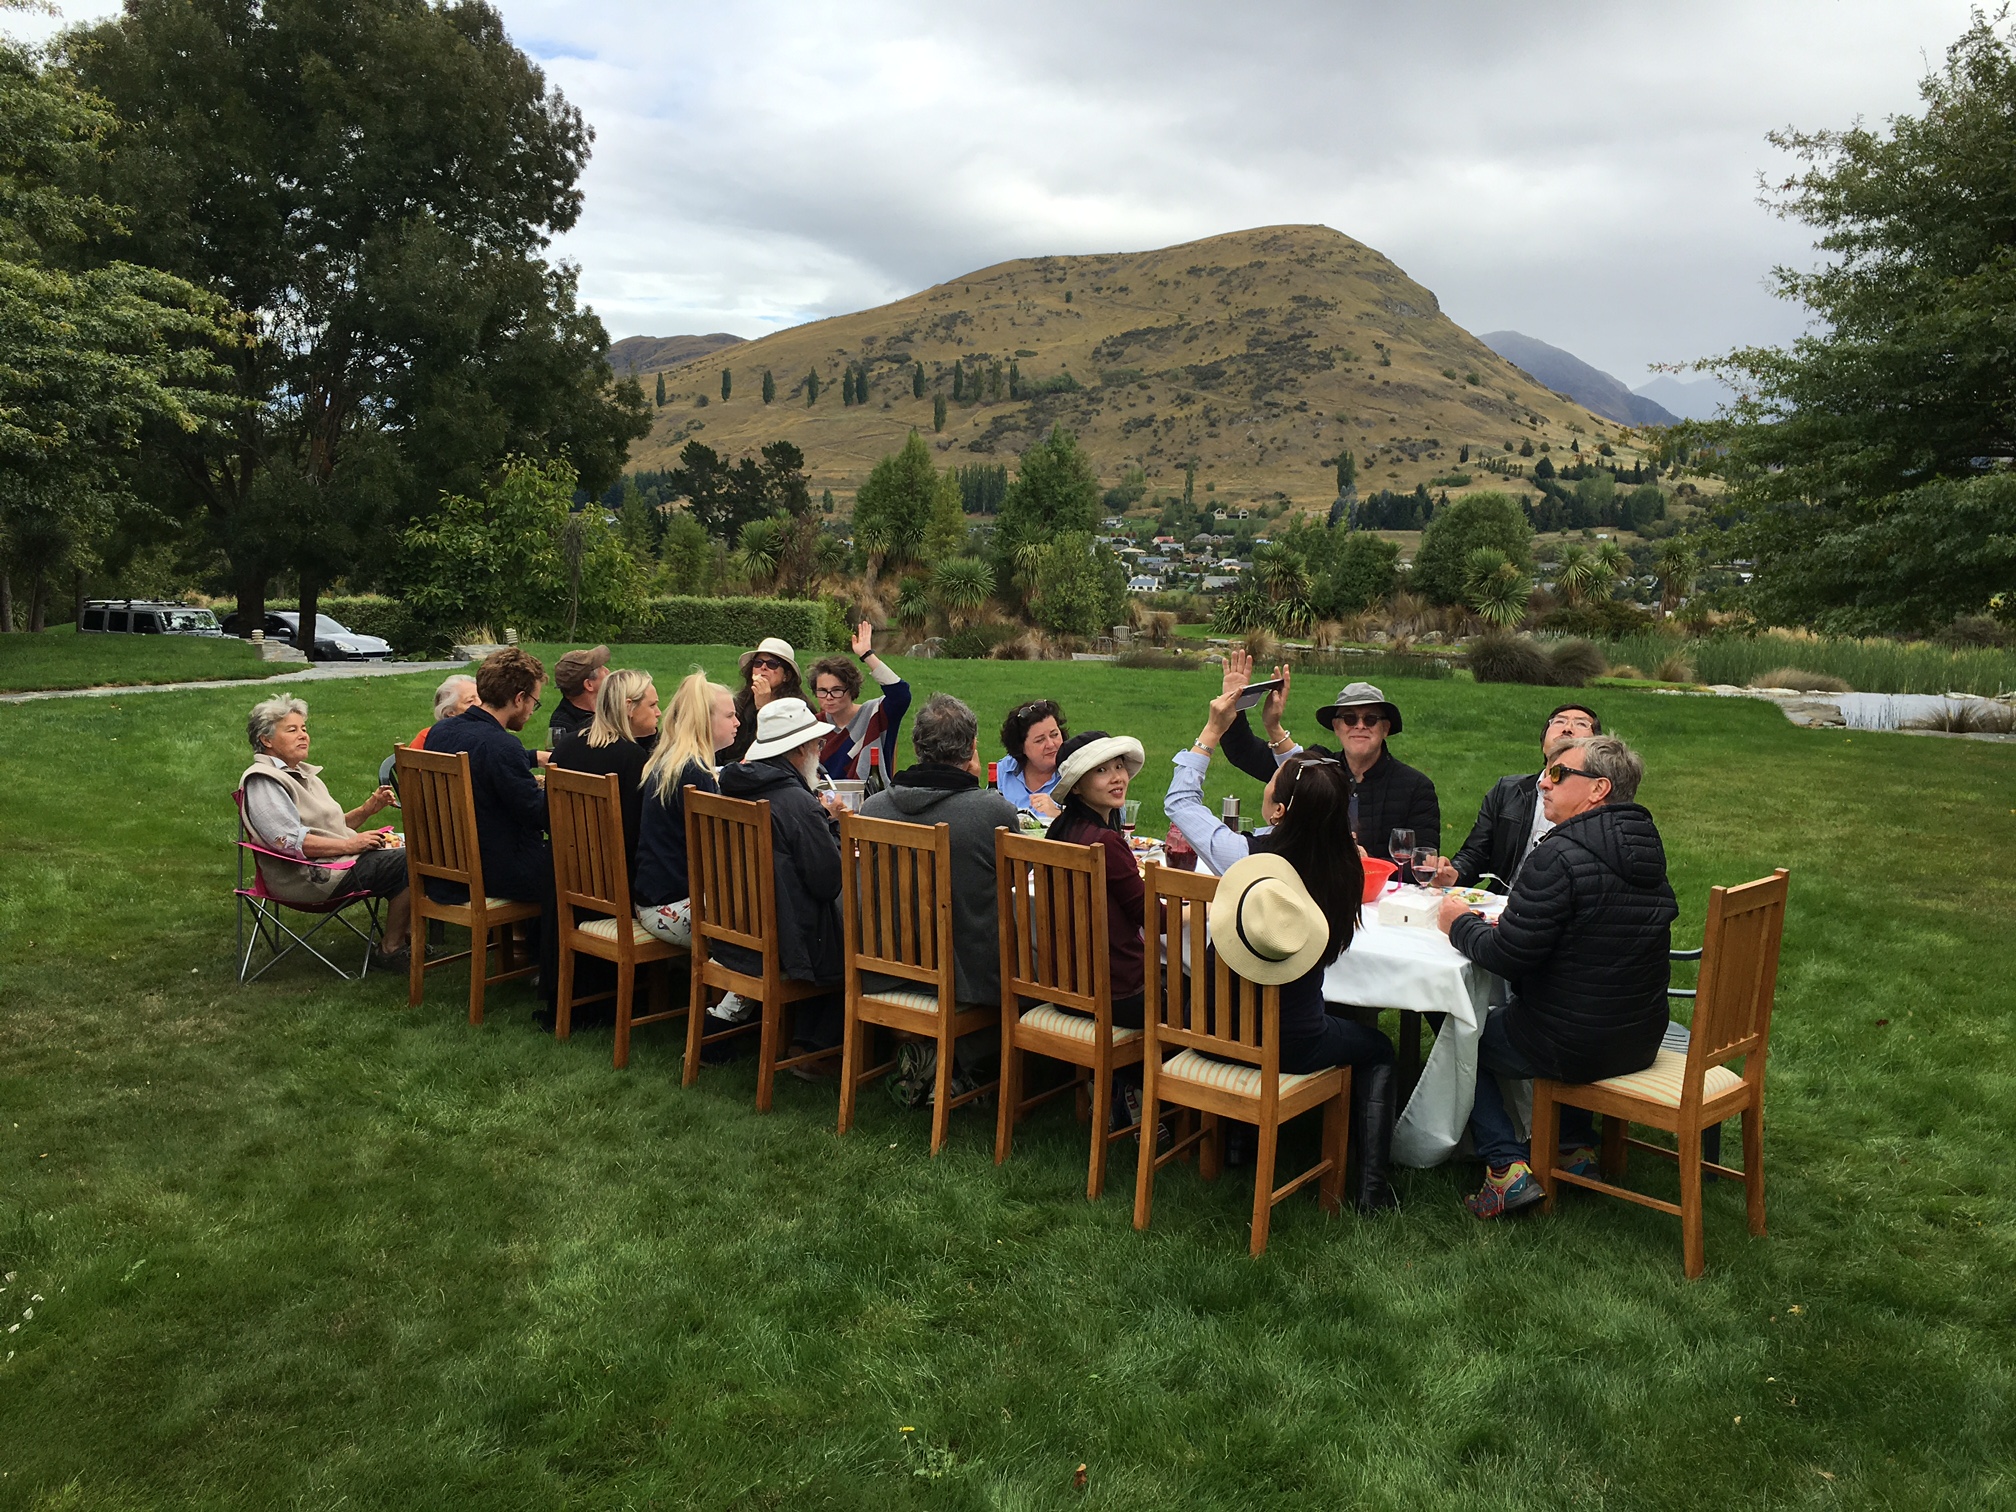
[
  {"x": 605, "y": 929},
  {"x": 1660, "y": 1081},
  {"x": 489, "y": 902},
  {"x": 1226, "y": 1076},
  {"x": 1051, "y": 1019},
  {"x": 903, "y": 997}
]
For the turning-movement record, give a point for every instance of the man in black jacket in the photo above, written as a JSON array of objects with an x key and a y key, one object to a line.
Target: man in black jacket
[
  {"x": 510, "y": 807},
  {"x": 1584, "y": 941},
  {"x": 1512, "y": 820},
  {"x": 781, "y": 766}
]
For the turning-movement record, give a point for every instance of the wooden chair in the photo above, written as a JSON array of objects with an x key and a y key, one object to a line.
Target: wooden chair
[
  {"x": 590, "y": 872},
  {"x": 896, "y": 898},
  {"x": 730, "y": 868},
  {"x": 1688, "y": 1094},
  {"x": 1052, "y": 899},
  {"x": 440, "y": 811},
  {"x": 1210, "y": 1021}
]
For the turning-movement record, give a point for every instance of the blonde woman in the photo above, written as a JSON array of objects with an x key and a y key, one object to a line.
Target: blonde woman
[
  {"x": 621, "y": 739},
  {"x": 700, "y": 727}
]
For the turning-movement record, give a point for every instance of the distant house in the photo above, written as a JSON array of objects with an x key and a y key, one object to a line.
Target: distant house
[
  {"x": 1165, "y": 540},
  {"x": 1144, "y": 584},
  {"x": 1215, "y": 581}
]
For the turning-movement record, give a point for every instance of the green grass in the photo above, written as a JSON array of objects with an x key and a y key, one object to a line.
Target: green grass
[
  {"x": 1868, "y": 666},
  {"x": 300, "y": 1245},
  {"x": 61, "y": 658}
]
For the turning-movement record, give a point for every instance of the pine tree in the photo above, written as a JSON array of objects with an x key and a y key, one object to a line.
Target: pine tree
[
  {"x": 861, "y": 384},
  {"x": 1463, "y": 452},
  {"x": 959, "y": 381},
  {"x": 727, "y": 384},
  {"x": 917, "y": 381},
  {"x": 812, "y": 386},
  {"x": 769, "y": 386},
  {"x": 826, "y": 501},
  {"x": 937, "y": 412},
  {"x": 1347, "y": 471},
  {"x": 661, "y": 391},
  {"x": 1190, "y": 482},
  {"x": 1014, "y": 380},
  {"x": 847, "y": 386}
]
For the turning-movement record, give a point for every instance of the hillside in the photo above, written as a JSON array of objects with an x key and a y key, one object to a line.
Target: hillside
[
  {"x": 1260, "y": 353},
  {"x": 1568, "y": 374},
  {"x": 647, "y": 354}
]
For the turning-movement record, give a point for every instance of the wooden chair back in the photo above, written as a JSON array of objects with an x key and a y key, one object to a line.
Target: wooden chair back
[
  {"x": 896, "y": 901},
  {"x": 1053, "y": 925},
  {"x": 439, "y": 808},
  {"x": 729, "y": 873},
  {"x": 1739, "y": 975},
  {"x": 584, "y": 815},
  {"x": 1209, "y": 1008}
]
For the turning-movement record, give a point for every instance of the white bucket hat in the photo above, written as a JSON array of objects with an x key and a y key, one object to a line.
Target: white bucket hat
[
  {"x": 783, "y": 725},
  {"x": 1264, "y": 924},
  {"x": 1093, "y": 749},
  {"x": 770, "y": 645}
]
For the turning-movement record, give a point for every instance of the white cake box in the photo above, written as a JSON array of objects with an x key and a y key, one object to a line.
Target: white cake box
[{"x": 1412, "y": 906}]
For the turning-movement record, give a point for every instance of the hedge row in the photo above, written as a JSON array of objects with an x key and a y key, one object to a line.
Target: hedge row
[{"x": 732, "y": 622}]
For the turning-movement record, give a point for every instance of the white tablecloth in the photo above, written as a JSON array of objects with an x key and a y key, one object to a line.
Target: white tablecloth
[{"x": 1419, "y": 971}]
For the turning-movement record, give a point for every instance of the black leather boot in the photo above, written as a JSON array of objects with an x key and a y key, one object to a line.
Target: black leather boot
[{"x": 1374, "y": 1106}]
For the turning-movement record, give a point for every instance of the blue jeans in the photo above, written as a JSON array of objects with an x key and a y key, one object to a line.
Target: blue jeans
[{"x": 1492, "y": 1132}]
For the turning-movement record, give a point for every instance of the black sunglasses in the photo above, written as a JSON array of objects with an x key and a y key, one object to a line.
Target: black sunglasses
[
  {"x": 769, "y": 663},
  {"x": 1352, "y": 718},
  {"x": 1560, "y": 773}
]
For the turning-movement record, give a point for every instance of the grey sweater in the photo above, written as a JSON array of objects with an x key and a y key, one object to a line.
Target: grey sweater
[{"x": 972, "y": 812}]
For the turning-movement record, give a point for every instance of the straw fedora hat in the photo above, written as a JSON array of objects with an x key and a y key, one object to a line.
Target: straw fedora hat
[
  {"x": 770, "y": 645},
  {"x": 1094, "y": 748},
  {"x": 1264, "y": 924},
  {"x": 783, "y": 725}
]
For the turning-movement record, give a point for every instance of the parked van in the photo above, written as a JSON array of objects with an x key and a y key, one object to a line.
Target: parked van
[{"x": 145, "y": 617}]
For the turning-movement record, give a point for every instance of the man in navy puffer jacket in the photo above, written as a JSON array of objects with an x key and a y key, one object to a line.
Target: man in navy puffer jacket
[{"x": 1584, "y": 941}]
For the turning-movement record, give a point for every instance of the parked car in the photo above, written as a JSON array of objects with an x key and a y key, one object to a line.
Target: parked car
[
  {"x": 144, "y": 617},
  {"x": 333, "y": 641}
]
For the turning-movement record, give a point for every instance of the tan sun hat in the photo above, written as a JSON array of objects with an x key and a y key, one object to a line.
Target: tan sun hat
[
  {"x": 1264, "y": 924},
  {"x": 770, "y": 645},
  {"x": 1082, "y": 753},
  {"x": 783, "y": 725}
]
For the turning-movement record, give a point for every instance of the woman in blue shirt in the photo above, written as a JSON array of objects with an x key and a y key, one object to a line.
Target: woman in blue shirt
[{"x": 1032, "y": 735}]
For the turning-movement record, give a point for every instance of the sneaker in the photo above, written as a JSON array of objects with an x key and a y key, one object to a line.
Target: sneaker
[
  {"x": 1505, "y": 1192},
  {"x": 733, "y": 1009},
  {"x": 911, "y": 1083},
  {"x": 1579, "y": 1161},
  {"x": 1126, "y": 1109}
]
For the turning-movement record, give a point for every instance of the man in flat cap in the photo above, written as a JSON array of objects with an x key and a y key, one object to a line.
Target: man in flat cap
[{"x": 578, "y": 674}]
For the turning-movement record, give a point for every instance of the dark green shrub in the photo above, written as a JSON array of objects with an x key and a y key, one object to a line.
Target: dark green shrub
[
  {"x": 1510, "y": 659},
  {"x": 1575, "y": 662},
  {"x": 1612, "y": 619},
  {"x": 731, "y": 622},
  {"x": 977, "y": 642}
]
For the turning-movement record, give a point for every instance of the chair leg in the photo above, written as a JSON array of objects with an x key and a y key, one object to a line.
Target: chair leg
[
  {"x": 1614, "y": 1154},
  {"x": 1546, "y": 1136},
  {"x": 1693, "y": 1243},
  {"x": 626, "y": 998},
  {"x": 851, "y": 1031},
  {"x": 1210, "y": 1149},
  {"x": 1144, "y": 1155},
  {"x": 1263, "y": 1185},
  {"x": 479, "y": 964},
  {"x": 696, "y": 1021},
  {"x": 1102, "y": 1115},
  {"x": 766, "y": 1054},
  {"x": 1009, "y": 1092},
  {"x": 941, "y": 1091},
  {"x": 1753, "y": 1165},
  {"x": 563, "y": 1007},
  {"x": 1336, "y": 1149}
]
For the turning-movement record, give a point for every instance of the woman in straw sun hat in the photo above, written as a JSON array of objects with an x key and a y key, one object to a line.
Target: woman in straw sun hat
[
  {"x": 769, "y": 673},
  {"x": 1093, "y": 771},
  {"x": 1280, "y": 918}
]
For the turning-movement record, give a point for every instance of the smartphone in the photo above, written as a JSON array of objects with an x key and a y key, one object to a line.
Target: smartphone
[{"x": 1255, "y": 692}]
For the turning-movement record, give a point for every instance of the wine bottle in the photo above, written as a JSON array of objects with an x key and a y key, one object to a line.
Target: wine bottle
[{"x": 874, "y": 783}]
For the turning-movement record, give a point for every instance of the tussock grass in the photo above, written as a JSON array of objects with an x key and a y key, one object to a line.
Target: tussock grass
[
  {"x": 1867, "y": 666},
  {"x": 300, "y": 1244}
]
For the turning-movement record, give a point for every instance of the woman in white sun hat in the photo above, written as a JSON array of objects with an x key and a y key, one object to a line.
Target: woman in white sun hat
[
  {"x": 1281, "y": 917},
  {"x": 1093, "y": 771},
  {"x": 769, "y": 673}
]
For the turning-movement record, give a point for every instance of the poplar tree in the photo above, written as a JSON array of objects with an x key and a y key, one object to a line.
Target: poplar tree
[
  {"x": 1014, "y": 380},
  {"x": 917, "y": 380},
  {"x": 727, "y": 384},
  {"x": 847, "y": 386},
  {"x": 959, "y": 381},
  {"x": 811, "y": 386},
  {"x": 661, "y": 391},
  {"x": 769, "y": 385},
  {"x": 937, "y": 412}
]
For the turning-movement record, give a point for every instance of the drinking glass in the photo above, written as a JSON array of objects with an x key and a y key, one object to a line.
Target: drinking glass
[
  {"x": 1424, "y": 865},
  {"x": 1130, "y": 815},
  {"x": 1400, "y": 846}
]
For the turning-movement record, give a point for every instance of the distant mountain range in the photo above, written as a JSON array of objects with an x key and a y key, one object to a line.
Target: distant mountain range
[
  {"x": 1697, "y": 399},
  {"x": 1259, "y": 355},
  {"x": 650, "y": 354},
  {"x": 1568, "y": 374}
]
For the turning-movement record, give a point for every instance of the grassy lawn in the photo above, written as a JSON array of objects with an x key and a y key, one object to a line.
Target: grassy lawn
[
  {"x": 61, "y": 658},
  {"x": 301, "y": 1245}
]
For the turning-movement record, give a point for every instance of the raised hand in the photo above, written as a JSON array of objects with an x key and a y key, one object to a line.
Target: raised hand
[
  {"x": 763, "y": 684},
  {"x": 1275, "y": 704},
  {"x": 1238, "y": 671},
  {"x": 864, "y": 638}
]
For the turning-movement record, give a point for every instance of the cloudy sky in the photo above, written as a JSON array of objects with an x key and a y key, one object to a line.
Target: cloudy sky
[{"x": 1585, "y": 173}]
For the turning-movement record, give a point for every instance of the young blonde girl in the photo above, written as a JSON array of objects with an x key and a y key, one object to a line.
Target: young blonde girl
[{"x": 699, "y": 726}]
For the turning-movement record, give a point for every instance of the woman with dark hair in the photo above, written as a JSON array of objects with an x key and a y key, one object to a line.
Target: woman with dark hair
[
  {"x": 1092, "y": 779},
  {"x": 860, "y": 727},
  {"x": 1311, "y": 796},
  {"x": 769, "y": 673},
  {"x": 1033, "y": 737}
]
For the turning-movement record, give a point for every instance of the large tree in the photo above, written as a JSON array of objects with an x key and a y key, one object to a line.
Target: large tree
[
  {"x": 370, "y": 185},
  {"x": 1056, "y": 490},
  {"x": 91, "y": 351},
  {"x": 1869, "y": 461}
]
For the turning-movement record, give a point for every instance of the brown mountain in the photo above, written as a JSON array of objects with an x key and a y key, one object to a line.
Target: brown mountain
[
  {"x": 647, "y": 354},
  {"x": 1260, "y": 354}
]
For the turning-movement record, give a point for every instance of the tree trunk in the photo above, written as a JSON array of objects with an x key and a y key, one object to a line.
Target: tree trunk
[
  {"x": 311, "y": 602},
  {"x": 251, "y": 602},
  {"x": 6, "y": 602},
  {"x": 78, "y": 586},
  {"x": 38, "y": 600}
]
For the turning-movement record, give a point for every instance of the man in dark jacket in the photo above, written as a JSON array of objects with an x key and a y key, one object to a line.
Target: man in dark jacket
[
  {"x": 1512, "y": 820},
  {"x": 578, "y": 675},
  {"x": 510, "y": 807},
  {"x": 781, "y": 766},
  {"x": 1584, "y": 941}
]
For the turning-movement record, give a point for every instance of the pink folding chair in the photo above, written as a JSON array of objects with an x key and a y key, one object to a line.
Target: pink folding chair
[{"x": 269, "y": 923}]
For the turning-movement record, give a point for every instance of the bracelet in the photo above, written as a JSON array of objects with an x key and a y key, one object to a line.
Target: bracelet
[
  {"x": 1284, "y": 738},
  {"x": 1198, "y": 745}
]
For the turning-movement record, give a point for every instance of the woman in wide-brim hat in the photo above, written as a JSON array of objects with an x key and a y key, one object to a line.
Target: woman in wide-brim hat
[
  {"x": 769, "y": 673},
  {"x": 1280, "y": 918},
  {"x": 1093, "y": 771}
]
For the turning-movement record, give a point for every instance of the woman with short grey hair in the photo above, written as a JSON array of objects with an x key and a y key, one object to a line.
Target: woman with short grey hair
[{"x": 288, "y": 811}]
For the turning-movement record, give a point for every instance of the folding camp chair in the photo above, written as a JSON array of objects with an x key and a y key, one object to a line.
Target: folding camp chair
[{"x": 268, "y": 913}]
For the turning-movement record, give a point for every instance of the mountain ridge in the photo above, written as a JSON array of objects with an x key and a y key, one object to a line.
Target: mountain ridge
[{"x": 1568, "y": 374}]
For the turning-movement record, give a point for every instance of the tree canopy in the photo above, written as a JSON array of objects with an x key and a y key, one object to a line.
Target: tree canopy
[{"x": 1442, "y": 564}]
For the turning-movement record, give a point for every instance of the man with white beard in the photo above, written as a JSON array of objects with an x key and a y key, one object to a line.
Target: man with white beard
[{"x": 781, "y": 766}]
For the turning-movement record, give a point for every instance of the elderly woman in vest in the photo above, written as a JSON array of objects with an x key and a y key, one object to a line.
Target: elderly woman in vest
[{"x": 287, "y": 809}]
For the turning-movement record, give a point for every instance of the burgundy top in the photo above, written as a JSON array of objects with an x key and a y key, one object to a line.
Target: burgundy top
[{"x": 1126, "y": 903}]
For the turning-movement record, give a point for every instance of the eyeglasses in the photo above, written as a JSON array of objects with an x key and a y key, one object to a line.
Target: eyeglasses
[
  {"x": 536, "y": 701},
  {"x": 1560, "y": 773},
  {"x": 1352, "y": 718},
  {"x": 768, "y": 663},
  {"x": 825, "y": 695}
]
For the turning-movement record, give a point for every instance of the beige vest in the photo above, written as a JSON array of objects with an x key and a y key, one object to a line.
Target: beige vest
[{"x": 296, "y": 881}]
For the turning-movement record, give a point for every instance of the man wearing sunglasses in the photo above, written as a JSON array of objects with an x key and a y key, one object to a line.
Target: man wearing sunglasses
[
  {"x": 1583, "y": 940},
  {"x": 1386, "y": 793},
  {"x": 1513, "y": 819}
]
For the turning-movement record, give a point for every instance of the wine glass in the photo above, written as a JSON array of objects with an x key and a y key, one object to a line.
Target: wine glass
[
  {"x": 1424, "y": 865},
  {"x": 1130, "y": 815},
  {"x": 1400, "y": 846}
]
